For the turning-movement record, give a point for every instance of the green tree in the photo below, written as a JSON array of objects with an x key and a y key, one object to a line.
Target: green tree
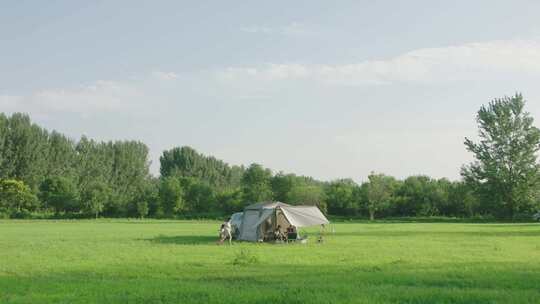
[
  {"x": 4, "y": 131},
  {"x": 379, "y": 191},
  {"x": 142, "y": 209},
  {"x": 60, "y": 155},
  {"x": 421, "y": 195},
  {"x": 282, "y": 185},
  {"x": 188, "y": 163},
  {"x": 341, "y": 198},
  {"x": 256, "y": 184},
  {"x": 149, "y": 193},
  {"x": 94, "y": 197},
  {"x": 230, "y": 201},
  {"x": 505, "y": 172},
  {"x": 16, "y": 198},
  {"x": 200, "y": 197},
  {"x": 60, "y": 194},
  {"x": 25, "y": 151},
  {"x": 171, "y": 195},
  {"x": 462, "y": 200}
]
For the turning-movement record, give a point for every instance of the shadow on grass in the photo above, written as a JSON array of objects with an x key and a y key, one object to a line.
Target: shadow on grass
[{"x": 184, "y": 239}]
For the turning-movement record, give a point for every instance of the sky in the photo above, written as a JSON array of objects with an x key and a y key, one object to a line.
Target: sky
[{"x": 329, "y": 89}]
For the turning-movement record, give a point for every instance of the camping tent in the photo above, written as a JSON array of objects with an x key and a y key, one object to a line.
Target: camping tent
[{"x": 262, "y": 218}]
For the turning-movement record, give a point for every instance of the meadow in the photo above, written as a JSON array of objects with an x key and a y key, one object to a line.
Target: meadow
[{"x": 159, "y": 261}]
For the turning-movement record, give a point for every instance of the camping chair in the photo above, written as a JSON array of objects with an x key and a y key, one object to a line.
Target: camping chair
[{"x": 292, "y": 236}]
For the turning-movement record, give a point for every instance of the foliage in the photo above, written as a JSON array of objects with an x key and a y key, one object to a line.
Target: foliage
[
  {"x": 142, "y": 209},
  {"x": 342, "y": 197},
  {"x": 245, "y": 257},
  {"x": 171, "y": 195},
  {"x": 43, "y": 159},
  {"x": 112, "y": 179},
  {"x": 94, "y": 197},
  {"x": 378, "y": 192},
  {"x": 186, "y": 162},
  {"x": 256, "y": 184},
  {"x": 297, "y": 190},
  {"x": 505, "y": 173},
  {"x": 60, "y": 194},
  {"x": 282, "y": 185},
  {"x": 16, "y": 198},
  {"x": 198, "y": 196},
  {"x": 230, "y": 201}
]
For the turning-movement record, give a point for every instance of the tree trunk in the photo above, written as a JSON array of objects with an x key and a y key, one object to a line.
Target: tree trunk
[
  {"x": 371, "y": 215},
  {"x": 97, "y": 215}
]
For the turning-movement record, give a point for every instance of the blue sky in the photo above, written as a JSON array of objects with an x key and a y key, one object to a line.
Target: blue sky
[{"x": 312, "y": 87}]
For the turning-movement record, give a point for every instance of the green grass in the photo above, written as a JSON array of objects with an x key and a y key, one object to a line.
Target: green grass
[{"x": 121, "y": 261}]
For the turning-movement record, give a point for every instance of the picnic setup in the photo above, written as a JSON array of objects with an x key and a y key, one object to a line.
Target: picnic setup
[{"x": 275, "y": 222}]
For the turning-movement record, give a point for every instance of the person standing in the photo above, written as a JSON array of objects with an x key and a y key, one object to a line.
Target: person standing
[{"x": 225, "y": 232}]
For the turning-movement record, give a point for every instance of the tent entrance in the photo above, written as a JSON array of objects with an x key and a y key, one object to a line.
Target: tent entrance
[{"x": 270, "y": 223}]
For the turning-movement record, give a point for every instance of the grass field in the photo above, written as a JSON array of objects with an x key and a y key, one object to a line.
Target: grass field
[{"x": 121, "y": 261}]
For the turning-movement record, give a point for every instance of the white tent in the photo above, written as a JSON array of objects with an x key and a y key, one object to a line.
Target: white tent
[{"x": 262, "y": 219}]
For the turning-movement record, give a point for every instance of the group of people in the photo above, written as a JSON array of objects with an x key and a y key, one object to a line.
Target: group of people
[{"x": 291, "y": 233}]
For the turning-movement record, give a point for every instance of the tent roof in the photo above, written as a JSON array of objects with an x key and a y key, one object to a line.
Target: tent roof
[
  {"x": 299, "y": 216},
  {"x": 266, "y": 205},
  {"x": 303, "y": 216}
]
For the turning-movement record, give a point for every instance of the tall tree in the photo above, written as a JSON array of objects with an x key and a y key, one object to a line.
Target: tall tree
[
  {"x": 25, "y": 148},
  {"x": 61, "y": 156},
  {"x": 282, "y": 185},
  {"x": 60, "y": 194},
  {"x": 186, "y": 162},
  {"x": 95, "y": 197},
  {"x": 171, "y": 195},
  {"x": 505, "y": 172},
  {"x": 198, "y": 195},
  {"x": 342, "y": 198},
  {"x": 4, "y": 129},
  {"x": 256, "y": 184},
  {"x": 379, "y": 191}
]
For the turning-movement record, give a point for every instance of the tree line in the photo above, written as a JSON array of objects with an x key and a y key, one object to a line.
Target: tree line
[{"x": 46, "y": 174}]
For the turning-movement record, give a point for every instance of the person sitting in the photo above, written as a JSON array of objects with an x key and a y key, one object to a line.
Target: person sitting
[
  {"x": 292, "y": 234},
  {"x": 278, "y": 235}
]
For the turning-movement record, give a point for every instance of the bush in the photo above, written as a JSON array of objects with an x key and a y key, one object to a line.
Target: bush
[
  {"x": 16, "y": 198},
  {"x": 244, "y": 257}
]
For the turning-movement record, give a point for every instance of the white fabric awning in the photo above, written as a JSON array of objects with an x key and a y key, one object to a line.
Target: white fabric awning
[{"x": 303, "y": 216}]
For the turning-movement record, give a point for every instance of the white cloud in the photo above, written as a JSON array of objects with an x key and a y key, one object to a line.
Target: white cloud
[
  {"x": 100, "y": 96},
  {"x": 472, "y": 61},
  {"x": 165, "y": 75},
  {"x": 9, "y": 102},
  {"x": 294, "y": 28}
]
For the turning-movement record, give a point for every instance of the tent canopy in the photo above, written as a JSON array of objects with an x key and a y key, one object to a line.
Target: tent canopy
[
  {"x": 304, "y": 216},
  {"x": 266, "y": 205},
  {"x": 264, "y": 217}
]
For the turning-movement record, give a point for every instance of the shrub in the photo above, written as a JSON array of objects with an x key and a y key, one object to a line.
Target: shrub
[{"x": 245, "y": 257}]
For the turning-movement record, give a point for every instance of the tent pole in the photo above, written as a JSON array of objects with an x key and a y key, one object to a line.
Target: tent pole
[{"x": 274, "y": 220}]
